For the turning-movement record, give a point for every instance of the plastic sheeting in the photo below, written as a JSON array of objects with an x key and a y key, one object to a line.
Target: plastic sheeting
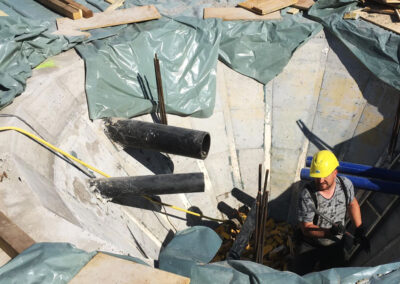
[
  {"x": 45, "y": 263},
  {"x": 188, "y": 251},
  {"x": 24, "y": 44},
  {"x": 189, "y": 247},
  {"x": 261, "y": 50},
  {"x": 378, "y": 49},
  {"x": 116, "y": 65}
]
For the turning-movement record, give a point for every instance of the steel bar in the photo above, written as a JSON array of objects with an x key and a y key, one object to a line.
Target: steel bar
[
  {"x": 264, "y": 212},
  {"x": 159, "y": 137},
  {"x": 150, "y": 185},
  {"x": 160, "y": 92},
  {"x": 258, "y": 211}
]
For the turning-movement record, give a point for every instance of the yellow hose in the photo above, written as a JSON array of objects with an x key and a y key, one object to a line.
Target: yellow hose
[{"x": 54, "y": 148}]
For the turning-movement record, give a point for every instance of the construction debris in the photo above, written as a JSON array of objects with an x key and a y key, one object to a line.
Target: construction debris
[
  {"x": 237, "y": 13},
  {"x": 293, "y": 11},
  {"x": 67, "y": 26},
  {"x": 263, "y": 7},
  {"x": 303, "y": 4},
  {"x": 277, "y": 246},
  {"x": 68, "y": 8}
]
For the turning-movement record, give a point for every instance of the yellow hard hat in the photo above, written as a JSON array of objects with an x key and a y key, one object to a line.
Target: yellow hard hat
[{"x": 323, "y": 164}]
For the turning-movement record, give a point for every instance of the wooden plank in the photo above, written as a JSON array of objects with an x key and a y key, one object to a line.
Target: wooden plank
[
  {"x": 2, "y": 14},
  {"x": 13, "y": 240},
  {"x": 263, "y": 7},
  {"x": 303, "y": 4},
  {"x": 236, "y": 14},
  {"x": 382, "y": 20},
  {"x": 86, "y": 12},
  {"x": 103, "y": 268},
  {"x": 293, "y": 11},
  {"x": 379, "y": 9},
  {"x": 114, "y": 18},
  {"x": 115, "y": 5},
  {"x": 62, "y": 8}
]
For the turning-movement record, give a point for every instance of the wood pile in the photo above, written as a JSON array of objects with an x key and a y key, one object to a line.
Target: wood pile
[
  {"x": 278, "y": 247},
  {"x": 383, "y": 13}
]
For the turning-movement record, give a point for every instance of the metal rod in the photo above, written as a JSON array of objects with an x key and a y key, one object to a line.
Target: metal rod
[
  {"x": 264, "y": 212},
  {"x": 149, "y": 185},
  {"x": 160, "y": 92},
  {"x": 258, "y": 219},
  {"x": 159, "y": 137}
]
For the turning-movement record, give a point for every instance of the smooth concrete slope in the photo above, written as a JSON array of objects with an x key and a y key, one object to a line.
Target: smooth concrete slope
[{"x": 294, "y": 95}]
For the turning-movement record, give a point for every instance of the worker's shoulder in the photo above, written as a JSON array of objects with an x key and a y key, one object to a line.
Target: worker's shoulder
[{"x": 347, "y": 182}]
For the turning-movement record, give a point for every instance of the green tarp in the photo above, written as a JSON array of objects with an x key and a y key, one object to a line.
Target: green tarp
[
  {"x": 378, "y": 49},
  {"x": 120, "y": 80},
  {"x": 24, "y": 44},
  {"x": 187, "y": 253},
  {"x": 188, "y": 59}
]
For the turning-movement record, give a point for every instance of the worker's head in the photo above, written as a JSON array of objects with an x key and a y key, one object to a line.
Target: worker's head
[{"x": 323, "y": 169}]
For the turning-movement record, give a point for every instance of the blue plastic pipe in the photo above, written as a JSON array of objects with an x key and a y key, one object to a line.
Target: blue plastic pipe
[
  {"x": 377, "y": 185},
  {"x": 364, "y": 171}
]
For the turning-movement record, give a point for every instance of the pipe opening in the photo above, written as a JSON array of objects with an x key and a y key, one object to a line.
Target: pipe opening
[{"x": 205, "y": 146}]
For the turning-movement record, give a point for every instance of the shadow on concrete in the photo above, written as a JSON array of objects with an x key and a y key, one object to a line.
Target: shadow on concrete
[
  {"x": 152, "y": 160},
  {"x": 192, "y": 220},
  {"x": 144, "y": 85},
  {"x": 138, "y": 202},
  {"x": 314, "y": 139}
]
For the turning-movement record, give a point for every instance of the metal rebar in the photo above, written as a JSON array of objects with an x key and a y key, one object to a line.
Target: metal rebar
[{"x": 160, "y": 92}]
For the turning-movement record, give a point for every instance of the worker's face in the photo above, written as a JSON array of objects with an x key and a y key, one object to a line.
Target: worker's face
[{"x": 326, "y": 182}]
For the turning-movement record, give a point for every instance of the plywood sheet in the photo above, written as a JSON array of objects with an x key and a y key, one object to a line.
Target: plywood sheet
[
  {"x": 237, "y": 13},
  {"x": 303, "y": 4},
  {"x": 113, "y": 18},
  {"x": 263, "y": 7},
  {"x": 385, "y": 21},
  {"x": 103, "y": 268},
  {"x": 13, "y": 240}
]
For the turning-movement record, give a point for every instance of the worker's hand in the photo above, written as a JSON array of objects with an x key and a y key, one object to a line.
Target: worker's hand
[
  {"x": 361, "y": 239},
  {"x": 337, "y": 229}
]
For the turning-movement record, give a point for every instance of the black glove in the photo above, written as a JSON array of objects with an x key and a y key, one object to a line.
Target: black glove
[
  {"x": 337, "y": 229},
  {"x": 361, "y": 239}
]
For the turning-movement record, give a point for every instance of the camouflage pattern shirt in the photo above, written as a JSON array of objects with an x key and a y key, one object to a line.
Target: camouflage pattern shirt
[{"x": 333, "y": 208}]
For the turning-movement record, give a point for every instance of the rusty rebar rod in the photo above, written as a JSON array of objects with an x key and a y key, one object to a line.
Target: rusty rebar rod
[{"x": 160, "y": 92}]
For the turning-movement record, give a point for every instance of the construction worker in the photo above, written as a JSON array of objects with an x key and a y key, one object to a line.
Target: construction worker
[{"x": 321, "y": 215}]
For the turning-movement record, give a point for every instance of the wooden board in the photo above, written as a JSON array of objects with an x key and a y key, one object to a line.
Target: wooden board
[
  {"x": 384, "y": 21},
  {"x": 103, "y": 268},
  {"x": 2, "y": 14},
  {"x": 263, "y": 7},
  {"x": 303, "y": 4},
  {"x": 379, "y": 9},
  {"x": 13, "y": 240},
  {"x": 86, "y": 12},
  {"x": 114, "y": 18},
  {"x": 62, "y": 8},
  {"x": 236, "y": 14},
  {"x": 115, "y": 5}
]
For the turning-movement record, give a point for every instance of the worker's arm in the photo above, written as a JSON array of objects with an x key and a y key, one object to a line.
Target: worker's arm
[
  {"x": 314, "y": 231},
  {"x": 355, "y": 213}
]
